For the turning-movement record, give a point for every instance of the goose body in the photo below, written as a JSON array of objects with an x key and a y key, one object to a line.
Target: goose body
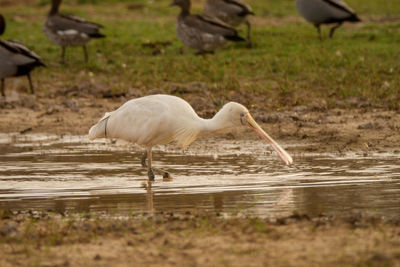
[
  {"x": 161, "y": 119},
  {"x": 319, "y": 12},
  {"x": 69, "y": 30},
  {"x": 231, "y": 12},
  {"x": 16, "y": 59},
  {"x": 201, "y": 32}
]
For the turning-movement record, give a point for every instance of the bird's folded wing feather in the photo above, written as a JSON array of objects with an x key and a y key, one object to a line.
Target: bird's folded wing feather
[
  {"x": 240, "y": 8},
  {"x": 63, "y": 22},
  {"x": 340, "y": 5},
  {"x": 18, "y": 53},
  {"x": 210, "y": 25},
  {"x": 22, "y": 49}
]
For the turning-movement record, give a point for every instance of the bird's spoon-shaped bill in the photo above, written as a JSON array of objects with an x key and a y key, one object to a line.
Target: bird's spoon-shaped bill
[{"x": 279, "y": 150}]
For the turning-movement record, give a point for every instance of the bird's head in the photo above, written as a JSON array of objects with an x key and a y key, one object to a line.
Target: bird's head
[
  {"x": 183, "y": 4},
  {"x": 235, "y": 114},
  {"x": 2, "y": 24}
]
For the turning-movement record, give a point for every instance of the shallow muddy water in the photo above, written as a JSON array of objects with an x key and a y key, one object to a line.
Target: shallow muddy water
[{"x": 232, "y": 176}]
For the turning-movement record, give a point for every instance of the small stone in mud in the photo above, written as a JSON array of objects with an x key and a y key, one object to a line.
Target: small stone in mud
[
  {"x": 369, "y": 126},
  {"x": 29, "y": 101},
  {"x": 97, "y": 257},
  {"x": 71, "y": 104},
  {"x": 9, "y": 229},
  {"x": 318, "y": 105},
  {"x": 26, "y": 130},
  {"x": 270, "y": 118},
  {"x": 300, "y": 109}
]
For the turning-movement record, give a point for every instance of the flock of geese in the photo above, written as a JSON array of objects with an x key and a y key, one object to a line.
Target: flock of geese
[{"x": 204, "y": 32}]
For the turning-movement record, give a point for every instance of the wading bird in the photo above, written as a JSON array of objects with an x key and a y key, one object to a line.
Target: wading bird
[
  {"x": 16, "y": 59},
  {"x": 160, "y": 119},
  {"x": 200, "y": 32},
  {"x": 68, "y": 30},
  {"x": 320, "y": 12},
  {"x": 232, "y": 12}
]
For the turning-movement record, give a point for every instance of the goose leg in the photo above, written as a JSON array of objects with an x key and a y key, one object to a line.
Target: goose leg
[
  {"x": 85, "y": 53},
  {"x": 2, "y": 88},
  {"x": 249, "y": 43},
  {"x": 63, "y": 54},
  {"x": 332, "y": 31},
  {"x": 30, "y": 83},
  {"x": 319, "y": 31}
]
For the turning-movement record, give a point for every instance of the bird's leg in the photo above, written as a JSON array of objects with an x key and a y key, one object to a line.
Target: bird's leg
[
  {"x": 249, "y": 43},
  {"x": 319, "y": 31},
  {"x": 143, "y": 160},
  {"x": 30, "y": 83},
  {"x": 85, "y": 53},
  {"x": 2, "y": 88},
  {"x": 63, "y": 54},
  {"x": 149, "y": 170},
  {"x": 332, "y": 31}
]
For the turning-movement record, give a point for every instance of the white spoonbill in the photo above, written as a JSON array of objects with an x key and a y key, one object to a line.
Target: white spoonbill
[{"x": 161, "y": 119}]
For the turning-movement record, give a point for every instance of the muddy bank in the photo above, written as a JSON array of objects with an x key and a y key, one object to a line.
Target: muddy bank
[
  {"x": 350, "y": 125},
  {"x": 190, "y": 239}
]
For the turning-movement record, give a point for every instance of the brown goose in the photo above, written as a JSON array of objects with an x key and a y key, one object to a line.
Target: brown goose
[
  {"x": 320, "y": 12},
  {"x": 68, "y": 30},
  {"x": 232, "y": 12},
  {"x": 200, "y": 32},
  {"x": 16, "y": 59}
]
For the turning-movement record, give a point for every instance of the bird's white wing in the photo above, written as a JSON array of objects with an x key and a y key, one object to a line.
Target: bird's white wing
[
  {"x": 149, "y": 121},
  {"x": 142, "y": 122},
  {"x": 341, "y": 5}
]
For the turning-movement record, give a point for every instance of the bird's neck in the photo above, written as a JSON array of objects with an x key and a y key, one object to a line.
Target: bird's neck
[
  {"x": 185, "y": 9},
  {"x": 184, "y": 13},
  {"x": 218, "y": 123},
  {"x": 55, "y": 4},
  {"x": 2, "y": 24}
]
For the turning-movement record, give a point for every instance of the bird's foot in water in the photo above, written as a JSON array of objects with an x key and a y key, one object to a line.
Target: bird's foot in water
[
  {"x": 150, "y": 175},
  {"x": 166, "y": 175}
]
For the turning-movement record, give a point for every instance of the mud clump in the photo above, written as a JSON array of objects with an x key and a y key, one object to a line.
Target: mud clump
[{"x": 190, "y": 238}]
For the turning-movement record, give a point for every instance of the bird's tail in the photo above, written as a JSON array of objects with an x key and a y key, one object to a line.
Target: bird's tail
[
  {"x": 99, "y": 130},
  {"x": 234, "y": 38},
  {"x": 354, "y": 18}
]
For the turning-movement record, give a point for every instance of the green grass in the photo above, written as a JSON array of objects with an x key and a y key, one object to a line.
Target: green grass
[{"x": 287, "y": 66}]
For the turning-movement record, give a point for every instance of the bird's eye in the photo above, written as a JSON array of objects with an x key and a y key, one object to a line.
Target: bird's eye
[{"x": 243, "y": 119}]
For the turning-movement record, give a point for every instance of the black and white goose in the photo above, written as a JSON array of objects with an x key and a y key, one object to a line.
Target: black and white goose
[
  {"x": 68, "y": 30},
  {"x": 16, "y": 59},
  {"x": 201, "y": 32},
  {"x": 320, "y": 12},
  {"x": 232, "y": 12}
]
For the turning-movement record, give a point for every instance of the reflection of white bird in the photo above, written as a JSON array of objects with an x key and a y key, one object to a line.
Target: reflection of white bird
[
  {"x": 320, "y": 12},
  {"x": 161, "y": 119}
]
